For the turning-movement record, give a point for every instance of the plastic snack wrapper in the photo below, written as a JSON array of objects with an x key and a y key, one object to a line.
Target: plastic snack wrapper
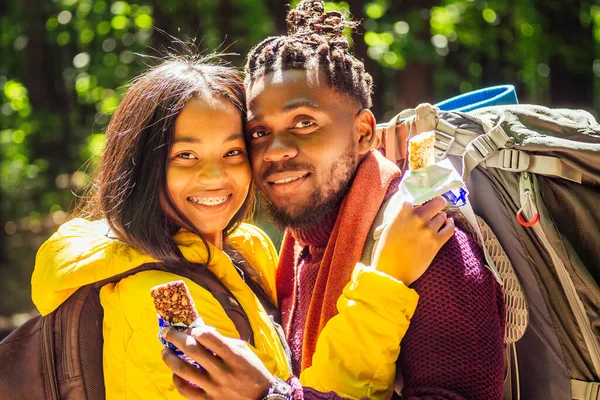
[
  {"x": 425, "y": 179},
  {"x": 175, "y": 308},
  {"x": 440, "y": 179}
]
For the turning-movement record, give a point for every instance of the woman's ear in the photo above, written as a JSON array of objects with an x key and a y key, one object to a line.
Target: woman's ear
[{"x": 365, "y": 127}]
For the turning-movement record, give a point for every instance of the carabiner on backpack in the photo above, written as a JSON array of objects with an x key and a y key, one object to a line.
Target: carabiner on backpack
[{"x": 527, "y": 201}]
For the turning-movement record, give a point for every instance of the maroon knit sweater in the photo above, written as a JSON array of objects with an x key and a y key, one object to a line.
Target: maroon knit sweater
[
  {"x": 454, "y": 346},
  {"x": 314, "y": 242}
]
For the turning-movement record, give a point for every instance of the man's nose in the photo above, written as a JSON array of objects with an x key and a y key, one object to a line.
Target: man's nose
[{"x": 282, "y": 147}]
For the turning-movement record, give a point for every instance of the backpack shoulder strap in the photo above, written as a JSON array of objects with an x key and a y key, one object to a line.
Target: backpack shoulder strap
[
  {"x": 368, "y": 252},
  {"x": 206, "y": 279}
]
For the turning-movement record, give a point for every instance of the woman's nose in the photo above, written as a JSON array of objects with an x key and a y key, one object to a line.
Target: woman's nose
[{"x": 212, "y": 174}]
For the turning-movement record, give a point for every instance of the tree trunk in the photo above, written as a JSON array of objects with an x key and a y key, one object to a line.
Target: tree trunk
[
  {"x": 230, "y": 31},
  {"x": 414, "y": 84},
  {"x": 166, "y": 19},
  {"x": 571, "y": 78},
  {"x": 279, "y": 11},
  {"x": 43, "y": 63},
  {"x": 360, "y": 51},
  {"x": 41, "y": 88}
]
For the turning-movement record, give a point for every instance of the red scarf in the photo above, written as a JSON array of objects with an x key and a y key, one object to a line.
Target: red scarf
[{"x": 357, "y": 213}]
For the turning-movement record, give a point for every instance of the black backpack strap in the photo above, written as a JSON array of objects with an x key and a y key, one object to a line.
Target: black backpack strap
[
  {"x": 205, "y": 278},
  {"x": 118, "y": 277}
]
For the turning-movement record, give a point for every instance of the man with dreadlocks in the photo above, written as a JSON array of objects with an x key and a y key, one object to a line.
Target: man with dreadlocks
[{"x": 311, "y": 132}]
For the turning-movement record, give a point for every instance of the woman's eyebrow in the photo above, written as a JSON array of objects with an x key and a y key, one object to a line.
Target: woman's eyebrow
[
  {"x": 234, "y": 136},
  {"x": 195, "y": 140},
  {"x": 187, "y": 139}
]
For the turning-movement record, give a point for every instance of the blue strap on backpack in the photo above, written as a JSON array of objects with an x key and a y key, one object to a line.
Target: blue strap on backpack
[{"x": 490, "y": 96}]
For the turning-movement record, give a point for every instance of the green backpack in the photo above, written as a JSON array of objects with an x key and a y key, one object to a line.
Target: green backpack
[{"x": 533, "y": 174}]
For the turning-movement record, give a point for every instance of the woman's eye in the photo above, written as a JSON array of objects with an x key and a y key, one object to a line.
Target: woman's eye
[
  {"x": 304, "y": 124},
  {"x": 233, "y": 153},
  {"x": 186, "y": 156}
]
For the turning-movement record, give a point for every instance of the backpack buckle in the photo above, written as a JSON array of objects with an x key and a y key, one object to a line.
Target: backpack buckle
[
  {"x": 581, "y": 390},
  {"x": 443, "y": 143},
  {"x": 481, "y": 148},
  {"x": 513, "y": 160}
]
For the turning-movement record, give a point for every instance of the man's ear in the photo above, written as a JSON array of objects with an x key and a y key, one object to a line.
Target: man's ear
[{"x": 364, "y": 123}]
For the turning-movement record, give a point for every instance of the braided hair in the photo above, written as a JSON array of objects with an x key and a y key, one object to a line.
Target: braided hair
[{"x": 315, "y": 42}]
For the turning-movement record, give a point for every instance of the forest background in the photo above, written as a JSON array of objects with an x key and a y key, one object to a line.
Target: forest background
[{"x": 64, "y": 65}]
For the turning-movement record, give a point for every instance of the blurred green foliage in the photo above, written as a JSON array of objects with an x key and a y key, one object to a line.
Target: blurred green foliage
[{"x": 64, "y": 65}]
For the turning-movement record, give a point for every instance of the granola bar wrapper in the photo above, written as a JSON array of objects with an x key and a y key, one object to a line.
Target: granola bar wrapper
[
  {"x": 426, "y": 179},
  {"x": 175, "y": 307},
  {"x": 440, "y": 179}
]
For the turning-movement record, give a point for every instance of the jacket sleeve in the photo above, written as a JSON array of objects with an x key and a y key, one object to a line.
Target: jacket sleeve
[
  {"x": 454, "y": 347},
  {"x": 357, "y": 350}
]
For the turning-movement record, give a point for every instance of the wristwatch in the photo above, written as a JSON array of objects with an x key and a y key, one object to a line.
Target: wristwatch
[{"x": 280, "y": 390}]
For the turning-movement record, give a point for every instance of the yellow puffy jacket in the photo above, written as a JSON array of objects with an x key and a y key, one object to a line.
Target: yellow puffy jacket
[{"x": 374, "y": 312}]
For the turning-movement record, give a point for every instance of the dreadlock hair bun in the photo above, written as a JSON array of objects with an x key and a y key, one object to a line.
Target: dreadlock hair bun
[
  {"x": 309, "y": 18},
  {"x": 315, "y": 40}
]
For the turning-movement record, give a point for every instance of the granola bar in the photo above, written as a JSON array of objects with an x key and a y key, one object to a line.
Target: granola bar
[
  {"x": 421, "y": 151},
  {"x": 174, "y": 303}
]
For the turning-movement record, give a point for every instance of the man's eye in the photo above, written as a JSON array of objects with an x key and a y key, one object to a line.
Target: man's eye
[
  {"x": 233, "y": 153},
  {"x": 186, "y": 156},
  {"x": 304, "y": 124},
  {"x": 258, "y": 134}
]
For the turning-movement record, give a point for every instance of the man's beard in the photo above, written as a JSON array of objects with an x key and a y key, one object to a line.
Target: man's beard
[{"x": 322, "y": 202}]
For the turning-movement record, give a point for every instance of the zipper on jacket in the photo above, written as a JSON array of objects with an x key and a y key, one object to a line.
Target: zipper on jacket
[{"x": 48, "y": 355}]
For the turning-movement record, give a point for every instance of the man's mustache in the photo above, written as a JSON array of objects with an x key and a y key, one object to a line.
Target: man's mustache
[{"x": 284, "y": 167}]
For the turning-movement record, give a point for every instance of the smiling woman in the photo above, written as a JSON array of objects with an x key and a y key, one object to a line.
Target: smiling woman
[
  {"x": 208, "y": 175},
  {"x": 180, "y": 96}
]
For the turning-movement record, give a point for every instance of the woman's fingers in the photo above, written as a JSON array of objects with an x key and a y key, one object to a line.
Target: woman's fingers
[
  {"x": 186, "y": 370},
  {"x": 190, "y": 345},
  {"x": 213, "y": 340},
  {"x": 188, "y": 390}
]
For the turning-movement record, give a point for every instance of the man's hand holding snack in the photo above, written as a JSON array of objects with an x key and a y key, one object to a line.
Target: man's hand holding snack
[
  {"x": 231, "y": 369},
  {"x": 410, "y": 242}
]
